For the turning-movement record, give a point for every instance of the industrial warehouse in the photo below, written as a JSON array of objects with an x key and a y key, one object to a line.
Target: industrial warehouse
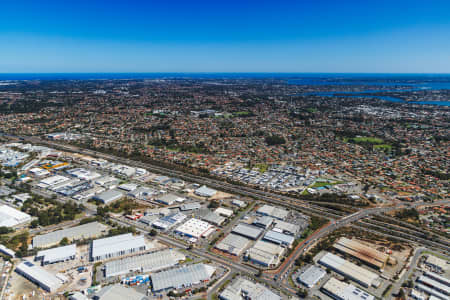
[
  {"x": 360, "y": 275},
  {"x": 233, "y": 244},
  {"x": 10, "y": 217},
  {"x": 169, "y": 199},
  {"x": 342, "y": 291},
  {"x": 118, "y": 292},
  {"x": 368, "y": 255},
  {"x": 85, "y": 231},
  {"x": 245, "y": 289},
  {"x": 55, "y": 255},
  {"x": 311, "y": 276},
  {"x": 247, "y": 231},
  {"x": 279, "y": 238},
  {"x": 265, "y": 254},
  {"x": 434, "y": 284},
  {"x": 148, "y": 262},
  {"x": 195, "y": 228},
  {"x": 205, "y": 191},
  {"x": 182, "y": 277},
  {"x": 117, "y": 246},
  {"x": 39, "y": 276},
  {"x": 109, "y": 196},
  {"x": 274, "y": 212}
]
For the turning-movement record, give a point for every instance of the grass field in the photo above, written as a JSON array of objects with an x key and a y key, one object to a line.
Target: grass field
[
  {"x": 366, "y": 139},
  {"x": 382, "y": 147},
  {"x": 262, "y": 167}
]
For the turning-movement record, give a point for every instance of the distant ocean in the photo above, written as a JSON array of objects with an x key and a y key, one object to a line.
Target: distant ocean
[
  {"x": 338, "y": 76},
  {"x": 414, "y": 81}
]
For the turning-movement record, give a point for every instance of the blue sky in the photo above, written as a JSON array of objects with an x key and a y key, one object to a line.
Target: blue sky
[{"x": 225, "y": 36}]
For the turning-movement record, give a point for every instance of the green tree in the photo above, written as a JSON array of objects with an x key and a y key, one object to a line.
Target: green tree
[
  {"x": 34, "y": 223},
  {"x": 64, "y": 241}
]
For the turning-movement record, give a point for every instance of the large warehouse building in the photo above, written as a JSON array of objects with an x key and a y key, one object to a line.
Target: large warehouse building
[
  {"x": 247, "y": 231},
  {"x": 233, "y": 244},
  {"x": 279, "y": 238},
  {"x": 311, "y": 276},
  {"x": 205, "y": 191},
  {"x": 148, "y": 262},
  {"x": 182, "y": 277},
  {"x": 195, "y": 228},
  {"x": 246, "y": 287},
  {"x": 272, "y": 211},
  {"x": 339, "y": 265},
  {"x": 362, "y": 252},
  {"x": 118, "y": 292},
  {"x": 10, "y": 217},
  {"x": 85, "y": 231},
  {"x": 39, "y": 276},
  {"x": 342, "y": 291},
  {"x": 109, "y": 196},
  {"x": 116, "y": 246},
  {"x": 169, "y": 199},
  {"x": 55, "y": 255},
  {"x": 438, "y": 283},
  {"x": 265, "y": 253}
]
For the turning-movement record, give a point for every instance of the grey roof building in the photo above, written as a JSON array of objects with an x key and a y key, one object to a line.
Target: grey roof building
[
  {"x": 118, "y": 292},
  {"x": 213, "y": 218},
  {"x": 272, "y": 211},
  {"x": 182, "y": 277},
  {"x": 57, "y": 254},
  {"x": 116, "y": 246},
  {"x": 109, "y": 196},
  {"x": 169, "y": 199},
  {"x": 39, "y": 276},
  {"x": 233, "y": 244},
  {"x": 85, "y": 231},
  {"x": 249, "y": 231},
  {"x": 287, "y": 228},
  {"x": 311, "y": 276},
  {"x": 190, "y": 206},
  {"x": 205, "y": 191},
  {"x": 148, "y": 220},
  {"x": 148, "y": 262},
  {"x": 252, "y": 290},
  {"x": 279, "y": 238},
  {"x": 263, "y": 222}
]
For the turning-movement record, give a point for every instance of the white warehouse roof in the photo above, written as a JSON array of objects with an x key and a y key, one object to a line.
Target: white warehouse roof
[
  {"x": 53, "y": 180},
  {"x": 265, "y": 253},
  {"x": 182, "y": 276},
  {"x": 341, "y": 290},
  {"x": 272, "y": 211},
  {"x": 57, "y": 254},
  {"x": 205, "y": 191},
  {"x": 251, "y": 289},
  {"x": 194, "y": 228},
  {"x": 224, "y": 212},
  {"x": 348, "y": 269},
  {"x": 116, "y": 244},
  {"x": 233, "y": 244},
  {"x": 148, "y": 262},
  {"x": 311, "y": 276},
  {"x": 10, "y": 217},
  {"x": 38, "y": 275},
  {"x": 118, "y": 292},
  {"x": 279, "y": 238}
]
